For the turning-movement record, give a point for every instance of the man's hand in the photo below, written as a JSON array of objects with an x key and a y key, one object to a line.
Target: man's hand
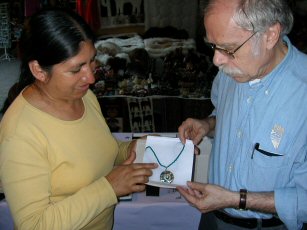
[
  {"x": 195, "y": 129},
  {"x": 207, "y": 197}
]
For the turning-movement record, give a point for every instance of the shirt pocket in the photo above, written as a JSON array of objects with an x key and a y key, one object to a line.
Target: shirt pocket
[{"x": 267, "y": 157}]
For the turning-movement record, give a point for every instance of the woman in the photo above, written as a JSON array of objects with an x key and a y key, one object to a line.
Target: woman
[{"x": 57, "y": 154}]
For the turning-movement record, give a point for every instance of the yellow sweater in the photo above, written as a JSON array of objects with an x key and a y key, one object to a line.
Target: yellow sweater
[{"x": 52, "y": 171}]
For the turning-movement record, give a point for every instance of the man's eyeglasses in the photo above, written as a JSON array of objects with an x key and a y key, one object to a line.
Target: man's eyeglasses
[{"x": 226, "y": 52}]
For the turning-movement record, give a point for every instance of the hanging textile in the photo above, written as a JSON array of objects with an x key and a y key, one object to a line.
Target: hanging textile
[
  {"x": 141, "y": 114},
  {"x": 80, "y": 8},
  {"x": 92, "y": 15}
]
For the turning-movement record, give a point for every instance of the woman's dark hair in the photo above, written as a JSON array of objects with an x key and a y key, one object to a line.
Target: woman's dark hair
[{"x": 50, "y": 36}]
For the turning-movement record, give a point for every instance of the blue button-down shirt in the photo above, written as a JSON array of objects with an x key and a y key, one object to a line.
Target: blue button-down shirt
[{"x": 271, "y": 112}]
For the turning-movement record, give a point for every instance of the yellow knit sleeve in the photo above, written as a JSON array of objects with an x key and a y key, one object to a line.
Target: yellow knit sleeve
[
  {"x": 123, "y": 147},
  {"x": 26, "y": 182}
]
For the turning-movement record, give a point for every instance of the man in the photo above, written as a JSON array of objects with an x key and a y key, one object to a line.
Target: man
[{"x": 258, "y": 165}]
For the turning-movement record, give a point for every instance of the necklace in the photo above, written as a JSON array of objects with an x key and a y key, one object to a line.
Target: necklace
[{"x": 166, "y": 176}]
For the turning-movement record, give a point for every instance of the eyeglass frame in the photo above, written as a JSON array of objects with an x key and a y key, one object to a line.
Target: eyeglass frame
[{"x": 226, "y": 52}]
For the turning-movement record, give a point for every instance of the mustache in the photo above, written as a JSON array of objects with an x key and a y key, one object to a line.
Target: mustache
[{"x": 230, "y": 70}]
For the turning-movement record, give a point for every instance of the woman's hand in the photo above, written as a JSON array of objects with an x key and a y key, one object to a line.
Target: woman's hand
[
  {"x": 132, "y": 148},
  {"x": 129, "y": 177}
]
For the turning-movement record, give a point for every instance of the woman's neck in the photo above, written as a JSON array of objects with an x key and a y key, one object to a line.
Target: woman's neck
[{"x": 60, "y": 108}]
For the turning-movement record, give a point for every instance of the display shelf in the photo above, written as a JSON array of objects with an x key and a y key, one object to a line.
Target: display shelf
[{"x": 5, "y": 32}]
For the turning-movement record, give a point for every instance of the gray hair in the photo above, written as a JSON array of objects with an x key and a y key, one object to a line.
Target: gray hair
[{"x": 258, "y": 15}]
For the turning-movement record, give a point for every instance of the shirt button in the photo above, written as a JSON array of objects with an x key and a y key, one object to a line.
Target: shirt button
[
  {"x": 267, "y": 92},
  {"x": 249, "y": 100},
  {"x": 230, "y": 168},
  {"x": 239, "y": 134}
]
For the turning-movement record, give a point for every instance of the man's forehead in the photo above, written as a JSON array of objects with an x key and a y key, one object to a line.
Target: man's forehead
[
  {"x": 223, "y": 6},
  {"x": 219, "y": 18},
  {"x": 214, "y": 25}
]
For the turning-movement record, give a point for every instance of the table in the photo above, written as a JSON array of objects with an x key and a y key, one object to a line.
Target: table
[
  {"x": 6, "y": 221},
  {"x": 168, "y": 211}
]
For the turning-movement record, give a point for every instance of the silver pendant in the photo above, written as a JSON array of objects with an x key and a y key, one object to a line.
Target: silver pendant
[{"x": 167, "y": 177}]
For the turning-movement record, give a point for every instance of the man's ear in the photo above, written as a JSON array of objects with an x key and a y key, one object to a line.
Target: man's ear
[
  {"x": 273, "y": 35},
  {"x": 38, "y": 72}
]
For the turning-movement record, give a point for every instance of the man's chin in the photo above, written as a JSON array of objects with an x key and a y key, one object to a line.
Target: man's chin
[{"x": 239, "y": 78}]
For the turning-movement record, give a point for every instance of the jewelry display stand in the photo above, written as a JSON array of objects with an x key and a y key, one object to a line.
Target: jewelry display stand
[{"x": 5, "y": 32}]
